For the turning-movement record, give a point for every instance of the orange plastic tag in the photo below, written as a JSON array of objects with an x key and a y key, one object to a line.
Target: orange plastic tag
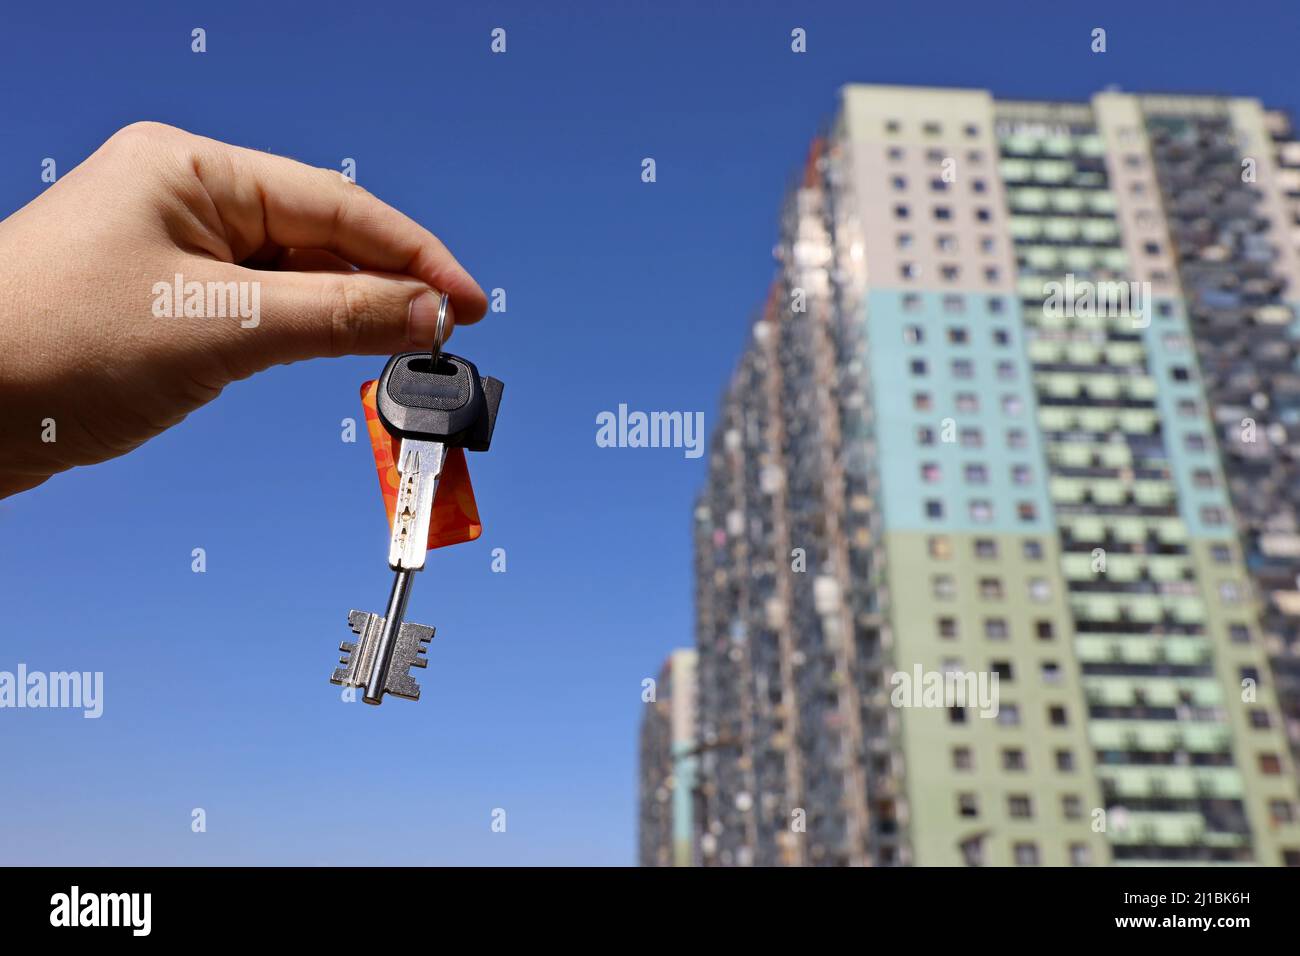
[{"x": 455, "y": 513}]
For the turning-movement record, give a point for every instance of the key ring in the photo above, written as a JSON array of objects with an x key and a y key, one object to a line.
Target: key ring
[{"x": 436, "y": 352}]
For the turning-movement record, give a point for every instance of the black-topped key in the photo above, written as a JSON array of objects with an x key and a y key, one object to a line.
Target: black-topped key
[{"x": 432, "y": 402}]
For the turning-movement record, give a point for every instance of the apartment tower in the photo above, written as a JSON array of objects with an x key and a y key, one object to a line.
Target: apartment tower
[{"x": 1024, "y": 401}]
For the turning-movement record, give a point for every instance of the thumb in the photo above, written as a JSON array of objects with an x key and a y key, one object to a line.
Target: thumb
[{"x": 306, "y": 315}]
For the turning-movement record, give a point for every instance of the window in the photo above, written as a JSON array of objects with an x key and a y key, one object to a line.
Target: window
[
  {"x": 995, "y": 628},
  {"x": 981, "y": 511},
  {"x": 967, "y": 806},
  {"x": 1021, "y": 474},
  {"x": 911, "y": 302},
  {"x": 1213, "y": 516},
  {"x": 983, "y": 214},
  {"x": 895, "y": 153},
  {"x": 913, "y": 334},
  {"x": 901, "y": 211},
  {"x": 975, "y": 474},
  {"x": 957, "y": 335},
  {"x": 979, "y": 186},
  {"x": 986, "y": 548},
  {"x": 971, "y": 130},
  {"x": 956, "y": 715},
  {"x": 954, "y": 304},
  {"x": 1009, "y": 715},
  {"x": 1033, "y": 549},
  {"x": 991, "y": 589},
  {"x": 1282, "y": 811},
  {"x": 942, "y": 213},
  {"x": 1016, "y": 438},
  {"x": 1203, "y": 478},
  {"x": 1259, "y": 719},
  {"x": 1065, "y": 761},
  {"x": 924, "y": 435},
  {"x": 940, "y": 547},
  {"x": 1071, "y": 807},
  {"x": 962, "y": 759},
  {"x": 950, "y": 273},
  {"x": 937, "y": 185},
  {"x": 892, "y": 126},
  {"x": 1001, "y": 337},
  {"x": 909, "y": 270},
  {"x": 945, "y": 242},
  {"x": 931, "y": 128},
  {"x": 971, "y": 438},
  {"x": 1019, "y": 807},
  {"x": 972, "y": 850},
  {"x": 1080, "y": 855},
  {"x": 948, "y": 628},
  {"x": 1043, "y": 630},
  {"x": 1026, "y": 511},
  {"x": 1194, "y": 442},
  {"x": 918, "y": 366},
  {"x": 899, "y": 183},
  {"x": 1239, "y": 633},
  {"x": 987, "y": 245},
  {"x": 1270, "y": 764},
  {"x": 1026, "y": 854},
  {"x": 1013, "y": 758},
  {"x": 921, "y": 401},
  {"x": 1039, "y": 590},
  {"x": 1056, "y": 716},
  {"x": 943, "y": 587},
  {"x": 931, "y": 473},
  {"x": 1221, "y": 553},
  {"x": 904, "y": 240},
  {"x": 1006, "y": 370},
  {"x": 1051, "y": 672},
  {"x": 933, "y": 508},
  {"x": 996, "y": 305},
  {"x": 1012, "y": 405},
  {"x": 967, "y": 402},
  {"x": 963, "y": 368},
  {"x": 991, "y": 274}
]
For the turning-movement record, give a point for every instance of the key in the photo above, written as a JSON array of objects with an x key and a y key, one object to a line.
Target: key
[{"x": 432, "y": 402}]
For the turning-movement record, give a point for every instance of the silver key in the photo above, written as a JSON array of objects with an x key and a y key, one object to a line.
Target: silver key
[{"x": 387, "y": 647}]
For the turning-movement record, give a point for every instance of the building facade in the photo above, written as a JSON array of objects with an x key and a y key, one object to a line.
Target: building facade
[
  {"x": 1020, "y": 423},
  {"x": 667, "y": 764}
]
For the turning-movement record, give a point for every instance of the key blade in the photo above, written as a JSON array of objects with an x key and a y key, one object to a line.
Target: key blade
[
  {"x": 412, "y": 642},
  {"x": 419, "y": 468},
  {"x": 360, "y": 657}
]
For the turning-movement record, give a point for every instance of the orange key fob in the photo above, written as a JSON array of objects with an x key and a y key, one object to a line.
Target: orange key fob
[{"x": 455, "y": 512}]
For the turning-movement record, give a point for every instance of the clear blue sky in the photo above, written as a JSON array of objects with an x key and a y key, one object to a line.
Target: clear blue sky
[{"x": 528, "y": 166}]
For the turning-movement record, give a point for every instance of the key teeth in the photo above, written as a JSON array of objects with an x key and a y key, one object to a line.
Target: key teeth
[
  {"x": 412, "y": 640},
  {"x": 409, "y": 651}
]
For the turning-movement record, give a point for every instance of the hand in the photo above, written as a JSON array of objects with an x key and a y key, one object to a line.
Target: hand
[{"x": 88, "y": 272}]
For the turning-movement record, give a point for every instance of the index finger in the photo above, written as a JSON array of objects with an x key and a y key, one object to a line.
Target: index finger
[{"x": 261, "y": 197}]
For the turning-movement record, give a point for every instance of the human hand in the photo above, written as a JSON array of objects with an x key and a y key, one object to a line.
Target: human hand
[{"x": 87, "y": 270}]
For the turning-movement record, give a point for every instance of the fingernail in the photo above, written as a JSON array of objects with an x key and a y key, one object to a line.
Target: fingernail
[{"x": 422, "y": 321}]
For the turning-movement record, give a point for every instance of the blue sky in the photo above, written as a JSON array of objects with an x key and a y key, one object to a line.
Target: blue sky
[{"x": 528, "y": 165}]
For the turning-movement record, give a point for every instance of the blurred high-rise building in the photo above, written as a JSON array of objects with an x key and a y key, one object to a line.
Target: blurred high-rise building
[
  {"x": 667, "y": 766},
  {"x": 1021, "y": 414}
]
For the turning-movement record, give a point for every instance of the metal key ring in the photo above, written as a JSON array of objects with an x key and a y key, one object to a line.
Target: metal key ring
[{"x": 436, "y": 352}]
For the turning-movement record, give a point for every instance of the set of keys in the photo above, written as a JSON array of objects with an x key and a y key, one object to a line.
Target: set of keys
[{"x": 433, "y": 401}]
